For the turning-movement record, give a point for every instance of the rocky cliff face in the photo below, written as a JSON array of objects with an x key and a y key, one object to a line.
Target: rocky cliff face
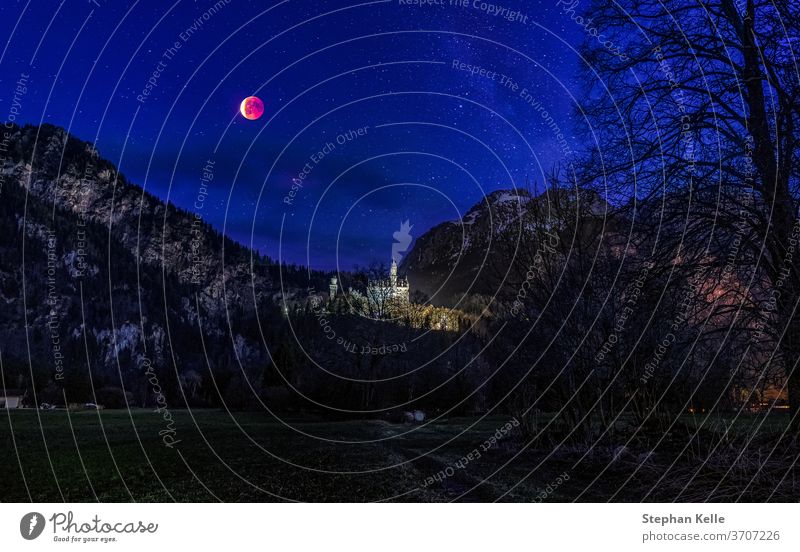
[
  {"x": 99, "y": 279},
  {"x": 472, "y": 256},
  {"x": 70, "y": 174},
  {"x": 456, "y": 257}
]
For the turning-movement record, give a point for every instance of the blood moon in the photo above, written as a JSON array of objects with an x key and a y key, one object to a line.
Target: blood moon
[{"x": 252, "y": 108}]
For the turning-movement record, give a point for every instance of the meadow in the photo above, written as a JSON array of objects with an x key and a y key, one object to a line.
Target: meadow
[{"x": 120, "y": 456}]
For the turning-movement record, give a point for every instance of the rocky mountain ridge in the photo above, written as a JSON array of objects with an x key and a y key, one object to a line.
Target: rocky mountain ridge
[{"x": 99, "y": 278}]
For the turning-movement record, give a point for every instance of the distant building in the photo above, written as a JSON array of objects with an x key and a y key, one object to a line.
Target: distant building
[
  {"x": 11, "y": 398},
  {"x": 393, "y": 289},
  {"x": 380, "y": 293},
  {"x": 333, "y": 287}
]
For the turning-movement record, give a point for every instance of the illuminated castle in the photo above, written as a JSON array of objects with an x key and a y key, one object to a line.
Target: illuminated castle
[
  {"x": 382, "y": 295},
  {"x": 383, "y": 291}
]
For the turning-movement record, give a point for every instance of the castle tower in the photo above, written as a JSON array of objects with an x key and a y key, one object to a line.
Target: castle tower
[
  {"x": 333, "y": 287},
  {"x": 393, "y": 274}
]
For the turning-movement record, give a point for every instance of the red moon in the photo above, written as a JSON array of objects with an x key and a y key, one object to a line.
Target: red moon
[{"x": 252, "y": 108}]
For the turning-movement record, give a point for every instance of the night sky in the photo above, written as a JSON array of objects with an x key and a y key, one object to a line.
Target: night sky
[{"x": 434, "y": 137}]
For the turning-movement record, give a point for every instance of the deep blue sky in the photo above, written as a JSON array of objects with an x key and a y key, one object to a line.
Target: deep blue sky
[{"x": 383, "y": 65}]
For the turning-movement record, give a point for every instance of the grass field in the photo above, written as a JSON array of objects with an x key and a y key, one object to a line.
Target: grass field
[{"x": 120, "y": 456}]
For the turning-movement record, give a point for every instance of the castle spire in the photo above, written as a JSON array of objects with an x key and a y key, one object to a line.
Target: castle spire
[{"x": 333, "y": 287}]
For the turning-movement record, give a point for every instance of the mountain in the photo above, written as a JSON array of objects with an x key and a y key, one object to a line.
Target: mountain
[
  {"x": 103, "y": 284},
  {"x": 472, "y": 255},
  {"x": 449, "y": 259}
]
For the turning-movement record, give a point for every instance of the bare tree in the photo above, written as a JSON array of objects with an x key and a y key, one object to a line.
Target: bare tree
[{"x": 703, "y": 103}]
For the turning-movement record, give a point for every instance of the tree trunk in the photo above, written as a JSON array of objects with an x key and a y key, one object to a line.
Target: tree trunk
[
  {"x": 777, "y": 200},
  {"x": 790, "y": 349}
]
